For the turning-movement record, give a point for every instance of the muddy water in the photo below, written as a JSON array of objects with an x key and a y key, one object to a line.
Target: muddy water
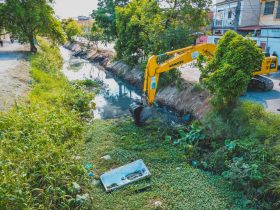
[{"x": 115, "y": 96}]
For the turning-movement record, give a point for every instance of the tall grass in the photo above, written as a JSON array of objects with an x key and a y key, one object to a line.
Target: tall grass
[
  {"x": 244, "y": 146},
  {"x": 40, "y": 138}
]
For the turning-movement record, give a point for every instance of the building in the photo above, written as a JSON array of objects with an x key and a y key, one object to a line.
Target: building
[
  {"x": 233, "y": 14},
  {"x": 270, "y": 13},
  {"x": 260, "y": 20},
  {"x": 85, "y": 22},
  {"x": 269, "y": 26}
]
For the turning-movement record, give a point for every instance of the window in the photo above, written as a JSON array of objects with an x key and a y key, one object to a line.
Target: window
[
  {"x": 278, "y": 10},
  {"x": 269, "y": 7},
  {"x": 229, "y": 14},
  {"x": 216, "y": 40}
]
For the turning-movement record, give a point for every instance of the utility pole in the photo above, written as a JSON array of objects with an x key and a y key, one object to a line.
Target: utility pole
[{"x": 237, "y": 15}]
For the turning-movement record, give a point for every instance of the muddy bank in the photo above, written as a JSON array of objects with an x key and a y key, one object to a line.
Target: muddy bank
[{"x": 190, "y": 98}]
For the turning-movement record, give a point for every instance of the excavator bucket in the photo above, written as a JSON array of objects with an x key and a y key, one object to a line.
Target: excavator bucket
[{"x": 140, "y": 113}]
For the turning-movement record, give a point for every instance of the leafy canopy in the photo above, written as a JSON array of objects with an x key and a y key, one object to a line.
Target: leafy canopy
[
  {"x": 136, "y": 24},
  {"x": 181, "y": 20},
  {"x": 96, "y": 35},
  {"x": 71, "y": 28},
  {"x": 105, "y": 17},
  {"x": 145, "y": 27},
  {"x": 227, "y": 75},
  {"x": 29, "y": 18}
]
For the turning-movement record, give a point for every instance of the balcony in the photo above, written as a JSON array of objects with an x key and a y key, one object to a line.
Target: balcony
[{"x": 227, "y": 23}]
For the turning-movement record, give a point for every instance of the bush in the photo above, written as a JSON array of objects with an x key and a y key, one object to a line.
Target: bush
[
  {"x": 243, "y": 146},
  {"x": 227, "y": 75},
  {"x": 40, "y": 138}
]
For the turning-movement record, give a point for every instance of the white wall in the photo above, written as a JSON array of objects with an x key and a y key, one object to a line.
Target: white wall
[
  {"x": 270, "y": 32},
  {"x": 273, "y": 44}
]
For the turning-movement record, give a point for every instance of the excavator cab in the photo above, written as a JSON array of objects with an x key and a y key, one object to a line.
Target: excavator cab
[{"x": 260, "y": 82}]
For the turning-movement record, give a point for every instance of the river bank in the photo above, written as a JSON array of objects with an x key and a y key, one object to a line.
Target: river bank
[{"x": 189, "y": 99}]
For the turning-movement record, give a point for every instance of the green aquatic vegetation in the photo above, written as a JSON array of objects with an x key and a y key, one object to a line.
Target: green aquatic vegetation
[{"x": 174, "y": 184}]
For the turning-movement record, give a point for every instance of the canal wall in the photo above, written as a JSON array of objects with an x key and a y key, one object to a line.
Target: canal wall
[{"x": 189, "y": 99}]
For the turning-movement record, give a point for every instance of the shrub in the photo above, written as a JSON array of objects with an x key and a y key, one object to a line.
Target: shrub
[
  {"x": 227, "y": 75},
  {"x": 251, "y": 158},
  {"x": 243, "y": 146}
]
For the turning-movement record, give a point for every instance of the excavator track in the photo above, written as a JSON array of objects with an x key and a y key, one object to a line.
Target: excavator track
[{"x": 261, "y": 83}]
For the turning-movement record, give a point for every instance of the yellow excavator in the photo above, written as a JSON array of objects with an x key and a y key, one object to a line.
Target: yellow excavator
[{"x": 142, "y": 111}]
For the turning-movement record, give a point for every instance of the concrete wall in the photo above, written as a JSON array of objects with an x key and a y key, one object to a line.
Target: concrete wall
[
  {"x": 250, "y": 13},
  {"x": 269, "y": 19}
]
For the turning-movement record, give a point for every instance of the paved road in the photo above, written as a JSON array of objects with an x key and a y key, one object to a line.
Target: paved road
[
  {"x": 270, "y": 100},
  {"x": 14, "y": 73}
]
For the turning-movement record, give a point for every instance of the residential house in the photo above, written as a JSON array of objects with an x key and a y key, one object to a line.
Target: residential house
[
  {"x": 269, "y": 26},
  {"x": 270, "y": 13},
  {"x": 260, "y": 19},
  {"x": 233, "y": 14}
]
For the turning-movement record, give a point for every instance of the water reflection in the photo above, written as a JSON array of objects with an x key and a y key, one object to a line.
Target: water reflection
[
  {"x": 115, "y": 96},
  {"x": 113, "y": 99}
]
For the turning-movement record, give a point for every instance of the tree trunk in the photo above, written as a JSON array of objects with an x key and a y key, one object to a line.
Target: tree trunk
[{"x": 32, "y": 45}]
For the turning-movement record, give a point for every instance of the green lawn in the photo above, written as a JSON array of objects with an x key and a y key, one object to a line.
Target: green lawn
[{"x": 175, "y": 183}]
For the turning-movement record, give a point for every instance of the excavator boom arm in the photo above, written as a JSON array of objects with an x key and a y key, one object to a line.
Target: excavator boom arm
[
  {"x": 181, "y": 57},
  {"x": 141, "y": 113}
]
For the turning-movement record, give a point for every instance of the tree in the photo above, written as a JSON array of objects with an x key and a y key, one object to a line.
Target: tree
[
  {"x": 137, "y": 25},
  {"x": 26, "y": 19},
  {"x": 96, "y": 35},
  {"x": 227, "y": 75},
  {"x": 145, "y": 27},
  {"x": 71, "y": 28},
  {"x": 105, "y": 17},
  {"x": 181, "y": 20},
  {"x": 1, "y": 20}
]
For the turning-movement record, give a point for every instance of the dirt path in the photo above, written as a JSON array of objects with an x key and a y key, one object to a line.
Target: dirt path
[{"x": 14, "y": 74}]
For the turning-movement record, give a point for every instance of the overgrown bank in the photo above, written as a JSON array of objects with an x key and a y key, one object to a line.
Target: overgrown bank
[
  {"x": 242, "y": 146},
  {"x": 41, "y": 138}
]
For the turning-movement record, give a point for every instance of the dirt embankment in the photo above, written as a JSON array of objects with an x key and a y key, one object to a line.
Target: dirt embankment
[
  {"x": 188, "y": 99},
  {"x": 14, "y": 74}
]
